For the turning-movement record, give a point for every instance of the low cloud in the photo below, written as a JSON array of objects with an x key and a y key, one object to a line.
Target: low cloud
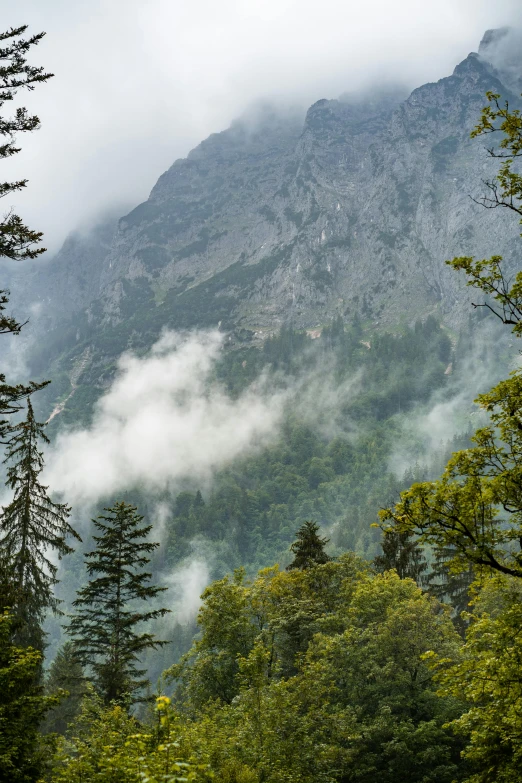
[
  {"x": 166, "y": 74},
  {"x": 321, "y": 399},
  {"x": 15, "y": 349},
  {"x": 428, "y": 430},
  {"x": 162, "y": 421},
  {"x": 502, "y": 48},
  {"x": 185, "y": 586}
]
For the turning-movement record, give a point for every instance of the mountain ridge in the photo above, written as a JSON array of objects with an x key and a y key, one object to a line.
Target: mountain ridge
[{"x": 352, "y": 211}]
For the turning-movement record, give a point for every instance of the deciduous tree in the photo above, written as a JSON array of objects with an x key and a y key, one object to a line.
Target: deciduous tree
[
  {"x": 359, "y": 704},
  {"x": 473, "y": 514},
  {"x": 486, "y": 675},
  {"x": 23, "y": 706},
  {"x": 107, "y": 744}
]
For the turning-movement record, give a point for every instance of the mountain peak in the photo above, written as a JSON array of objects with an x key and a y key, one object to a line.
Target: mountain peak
[
  {"x": 502, "y": 48},
  {"x": 492, "y": 39}
]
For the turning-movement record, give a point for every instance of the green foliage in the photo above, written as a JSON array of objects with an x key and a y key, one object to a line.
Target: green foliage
[
  {"x": 473, "y": 517},
  {"x": 496, "y": 118},
  {"x": 17, "y": 241},
  {"x": 23, "y": 705},
  {"x": 504, "y": 191},
  {"x": 109, "y": 746},
  {"x": 486, "y": 674},
  {"x": 65, "y": 676},
  {"x": 402, "y": 553},
  {"x": 32, "y": 526},
  {"x": 283, "y": 607},
  {"x": 209, "y": 669},
  {"x": 450, "y": 587},
  {"x": 474, "y": 510},
  {"x": 326, "y": 680},
  {"x": 105, "y": 625},
  {"x": 308, "y": 548},
  {"x": 11, "y": 396}
]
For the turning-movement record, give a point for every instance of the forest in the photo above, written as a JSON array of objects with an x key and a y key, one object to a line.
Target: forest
[{"x": 364, "y": 623}]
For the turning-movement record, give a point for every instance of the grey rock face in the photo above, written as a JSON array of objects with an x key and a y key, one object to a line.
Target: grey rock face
[
  {"x": 355, "y": 209},
  {"x": 66, "y": 284},
  {"x": 358, "y": 210}
]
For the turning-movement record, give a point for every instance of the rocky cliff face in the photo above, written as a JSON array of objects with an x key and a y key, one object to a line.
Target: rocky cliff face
[{"x": 355, "y": 209}]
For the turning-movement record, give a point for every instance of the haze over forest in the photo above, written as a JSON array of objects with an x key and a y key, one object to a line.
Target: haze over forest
[{"x": 260, "y": 395}]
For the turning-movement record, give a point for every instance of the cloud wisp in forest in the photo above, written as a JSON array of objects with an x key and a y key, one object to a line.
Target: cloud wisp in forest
[
  {"x": 185, "y": 585},
  {"x": 428, "y": 430},
  {"x": 164, "y": 419}
]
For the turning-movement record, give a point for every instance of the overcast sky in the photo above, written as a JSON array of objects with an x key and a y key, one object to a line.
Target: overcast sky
[{"x": 140, "y": 82}]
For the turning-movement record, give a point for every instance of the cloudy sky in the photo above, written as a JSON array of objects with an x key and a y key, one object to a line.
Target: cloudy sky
[{"x": 140, "y": 82}]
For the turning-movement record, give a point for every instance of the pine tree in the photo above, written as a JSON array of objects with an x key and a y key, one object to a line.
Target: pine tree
[
  {"x": 17, "y": 241},
  {"x": 66, "y": 674},
  {"x": 400, "y": 551},
  {"x": 105, "y": 625},
  {"x": 30, "y": 526},
  {"x": 308, "y": 548}
]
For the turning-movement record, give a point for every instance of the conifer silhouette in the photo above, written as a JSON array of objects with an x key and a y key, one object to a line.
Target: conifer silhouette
[
  {"x": 66, "y": 674},
  {"x": 32, "y": 529},
  {"x": 17, "y": 241},
  {"x": 400, "y": 551},
  {"x": 105, "y": 626},
  {"x": 308, "y": 548}
]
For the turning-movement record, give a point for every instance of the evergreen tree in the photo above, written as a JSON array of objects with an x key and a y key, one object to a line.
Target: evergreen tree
[
  {"x": 105, "y": 625},
  {"x": 65, "y": 674},
  {"x": 400, "y": 551},
  {"x": 17, "y": 241},
  {"x": 198, "y": 500},
  {"x": 451, "y": 587},
  {"x": 30, "y": 526},
  {"x": 308, "y": 548}
]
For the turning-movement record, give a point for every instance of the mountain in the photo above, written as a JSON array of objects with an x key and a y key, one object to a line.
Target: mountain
[{"x": 284, "y": 220}]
